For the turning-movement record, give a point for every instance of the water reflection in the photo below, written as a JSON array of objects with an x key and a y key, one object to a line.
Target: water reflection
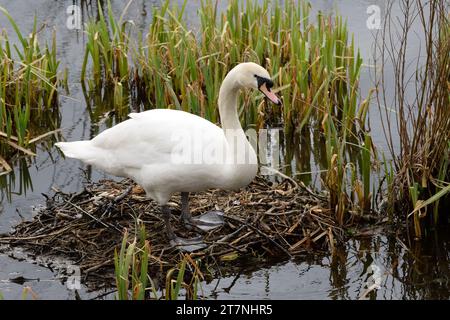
[
  {"x": 17, "y": 182},
  {"x": 421, "y": 272},
  {"x": 425, "y": 271},
  {"x": 104, "y": 110}
]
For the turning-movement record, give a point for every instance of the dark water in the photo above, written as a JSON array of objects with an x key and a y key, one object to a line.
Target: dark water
[
  {"x": 422, "y": 273},
  {"x": 418, "y": 273}
]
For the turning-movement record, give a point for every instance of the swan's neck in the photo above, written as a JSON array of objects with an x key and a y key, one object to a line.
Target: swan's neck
[
  {"x": 237, "y": 141},
  {"x": 240, "y": 152},
  {"x": 228, "y": 100}
]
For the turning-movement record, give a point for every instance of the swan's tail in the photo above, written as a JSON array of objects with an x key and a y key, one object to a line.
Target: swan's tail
[
  {"x": 82, "y": 150},
  {"x": 90, "y": 154}
]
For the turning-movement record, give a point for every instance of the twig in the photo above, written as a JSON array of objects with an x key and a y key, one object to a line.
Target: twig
[
  {"x": 16, "y": 146},
  {"x": 5, "y": 135},
  {"x": 261, "y": 233},
  {"x": 42, "y": 136},
  {"x": 92, "y": 217}
]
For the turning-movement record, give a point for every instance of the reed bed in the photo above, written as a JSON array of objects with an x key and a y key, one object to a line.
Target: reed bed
[
  {"x": 419, "y": 180},
  {"x": 263, "y": 221},
  {"x": 132, "y": 258},
  {"x": 315, "y": 66},
  {"x": 133, "y": 282},
  {"x": 29, "y": 80}
]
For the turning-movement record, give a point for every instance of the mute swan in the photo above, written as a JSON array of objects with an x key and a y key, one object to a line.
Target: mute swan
[{"x": 168, "y": 151}]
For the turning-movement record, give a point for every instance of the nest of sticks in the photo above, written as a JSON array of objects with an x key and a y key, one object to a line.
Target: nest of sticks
[{"x": 265, "y": 219}]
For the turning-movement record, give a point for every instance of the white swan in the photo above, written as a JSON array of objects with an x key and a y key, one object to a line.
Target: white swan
[{"x": 168, "y": 151}]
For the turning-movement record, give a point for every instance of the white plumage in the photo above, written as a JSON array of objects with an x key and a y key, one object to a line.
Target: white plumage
[
  {"x": 168, "y": 151},
  {"x": 146, "y": 148}
]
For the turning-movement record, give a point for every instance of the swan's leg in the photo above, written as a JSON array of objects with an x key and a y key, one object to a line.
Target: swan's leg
[
  {"x": 206, "y": 222},
  {"x": 185, "y": 213},
  {"x": 189, "y": 245},
  {"x": 166, "y": 216}
]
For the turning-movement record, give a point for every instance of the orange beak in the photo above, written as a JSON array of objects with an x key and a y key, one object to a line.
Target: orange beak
[{"x": 269, "y": 94}]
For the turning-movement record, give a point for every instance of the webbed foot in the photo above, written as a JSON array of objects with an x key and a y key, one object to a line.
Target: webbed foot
[
  {"x": 187, "y": 245},
  {"x": 207, "y": 221}
]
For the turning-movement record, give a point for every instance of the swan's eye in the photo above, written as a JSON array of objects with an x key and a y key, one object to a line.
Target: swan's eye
[{"x": 263, "y": 80}]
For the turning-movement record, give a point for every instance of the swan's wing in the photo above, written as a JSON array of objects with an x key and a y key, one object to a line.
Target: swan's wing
[{"x": 155, "y": 136}]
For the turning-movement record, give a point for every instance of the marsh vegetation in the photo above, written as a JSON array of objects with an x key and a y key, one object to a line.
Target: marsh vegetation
[
  {"x": 325, "y": 120},
  {"x": 29, "y": 81}
]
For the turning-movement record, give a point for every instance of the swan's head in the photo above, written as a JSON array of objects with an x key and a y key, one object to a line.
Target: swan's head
[{"x": 253, "y": 76}]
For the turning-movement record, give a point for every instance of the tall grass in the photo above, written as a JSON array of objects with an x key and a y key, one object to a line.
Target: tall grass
[
  {"x": 131, "y": 264},
  {"x": 107, "y": 54},
  {"x": 29, "y": 77},
  {"x": 178, "y": 279},
  {"x": 315, "y": 66},
  {"x": 421, "y": 175},
  {"x": 132, "y": 275}
]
